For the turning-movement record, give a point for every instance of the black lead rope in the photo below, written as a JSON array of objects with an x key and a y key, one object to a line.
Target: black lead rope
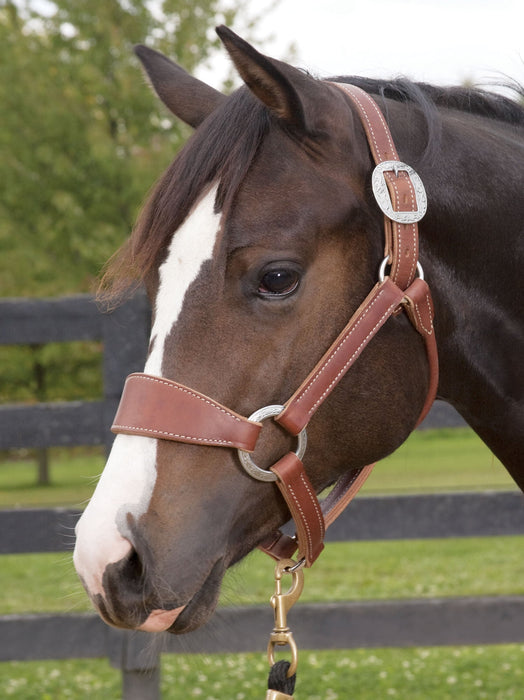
[{"x": 278, "y": 679}]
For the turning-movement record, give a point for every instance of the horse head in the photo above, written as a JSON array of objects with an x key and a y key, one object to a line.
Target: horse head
[{"x": 256, "y": 246}]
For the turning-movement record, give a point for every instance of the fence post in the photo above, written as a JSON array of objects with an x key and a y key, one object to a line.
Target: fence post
[
  {"x": 141, "y": 685},
  {"x": 42, "y": 453},
  {"x": 126, "y": 337},
  {"x": 137, "y": 656}
]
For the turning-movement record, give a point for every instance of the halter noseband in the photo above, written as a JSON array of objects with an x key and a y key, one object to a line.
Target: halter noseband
[{"x": 161, "y": 408}]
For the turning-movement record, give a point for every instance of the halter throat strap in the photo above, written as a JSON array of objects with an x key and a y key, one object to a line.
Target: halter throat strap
[{"x": 161, "y": 408}]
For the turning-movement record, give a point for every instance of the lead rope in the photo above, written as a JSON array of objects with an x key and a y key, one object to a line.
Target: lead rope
[{"x": 280, "y": 687}]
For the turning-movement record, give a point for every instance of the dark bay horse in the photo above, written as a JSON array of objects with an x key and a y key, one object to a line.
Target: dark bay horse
[{"x": 256, "y": 246}]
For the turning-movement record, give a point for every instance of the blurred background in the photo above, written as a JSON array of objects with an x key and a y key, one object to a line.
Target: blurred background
[{"x": 82, "y": 140}]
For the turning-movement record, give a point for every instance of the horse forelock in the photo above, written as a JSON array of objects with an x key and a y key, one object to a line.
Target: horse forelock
[{"x": 221, "y": 150}]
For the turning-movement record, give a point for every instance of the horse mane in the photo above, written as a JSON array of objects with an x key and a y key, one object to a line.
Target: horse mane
[
  {"x": 429, "y": 98},
  {"x": 432, "y": 99},
  {"x": 225, "y": 154}
]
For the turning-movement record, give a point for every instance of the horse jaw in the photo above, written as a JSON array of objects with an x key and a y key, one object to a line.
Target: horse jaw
[{"x": 123, "y": 494}]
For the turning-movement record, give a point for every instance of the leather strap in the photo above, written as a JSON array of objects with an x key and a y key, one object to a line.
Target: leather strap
[
  {"x": 160, "y": 408},
  {"x": 401, "y": 240},
  {"x": 280, "y": 546},
  {"x": 301, "y": 499},
  {"x": 344, "y": 492},
  {"x": 380, "y": 304},
  {"x": 419, "y": 307}
]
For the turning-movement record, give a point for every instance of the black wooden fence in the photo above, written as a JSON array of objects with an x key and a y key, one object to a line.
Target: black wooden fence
[
  {"x": 479, "y": 620},
  {"x": 124, "y": 333}
]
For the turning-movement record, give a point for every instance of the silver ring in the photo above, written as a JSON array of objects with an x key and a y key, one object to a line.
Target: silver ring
[
  {"x": 247, "y": 461},
  {"x": 384, "y": 264}
]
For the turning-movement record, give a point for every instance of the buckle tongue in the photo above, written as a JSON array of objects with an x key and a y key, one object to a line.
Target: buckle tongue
[{"x": 382, "y": 195}]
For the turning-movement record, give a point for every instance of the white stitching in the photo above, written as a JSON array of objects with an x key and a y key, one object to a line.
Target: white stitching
[
  {"x": 138, "y": 429},
  {"x": 400, "y": 229},
  {"x": 421, "y": 320},
  {"x": 303, "y": 519},
  {"x": 351, "y": 89},
  {"x": 315, "y": 505},
  {"x": 338, "y": 348},
  {"x": 372, "y": 332},
  {"x": 187, "y": 391}
]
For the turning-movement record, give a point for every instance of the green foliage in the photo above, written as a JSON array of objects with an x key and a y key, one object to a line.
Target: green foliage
[
  {"x": 51, "y": 372},
  {"x": 81, "y": 137}
]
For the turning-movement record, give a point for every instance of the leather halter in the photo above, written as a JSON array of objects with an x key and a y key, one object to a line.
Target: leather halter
[{"x": 164, "y": 409}]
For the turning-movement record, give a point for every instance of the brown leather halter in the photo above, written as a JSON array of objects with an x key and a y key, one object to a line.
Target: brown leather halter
[{"x": 157, "y": 407}]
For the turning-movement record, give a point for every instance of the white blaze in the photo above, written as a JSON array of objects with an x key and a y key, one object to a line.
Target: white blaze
[
  {"x": 190, "y": 248},
  {"x": 129, "y": 476}
]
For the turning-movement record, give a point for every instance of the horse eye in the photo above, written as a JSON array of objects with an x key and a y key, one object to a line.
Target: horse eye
[{"x": 279, "y": 282}]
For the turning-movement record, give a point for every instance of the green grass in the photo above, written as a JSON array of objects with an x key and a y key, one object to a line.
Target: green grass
[
  {"x": 74, "y": 474},
  {"x": 450, "y": 673},
  {"x": 345, "y": 571},
  {"x": 439, "y": 460}
]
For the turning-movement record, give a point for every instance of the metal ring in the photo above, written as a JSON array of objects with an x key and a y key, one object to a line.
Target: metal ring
[
  {"x": 296, "y": 567},
  {"x": 247, "y": 461},
  {"x": 384, "y": 264}
]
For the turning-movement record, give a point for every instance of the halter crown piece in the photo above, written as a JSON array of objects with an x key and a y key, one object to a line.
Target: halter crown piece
[{"x": 161, "y": 408}]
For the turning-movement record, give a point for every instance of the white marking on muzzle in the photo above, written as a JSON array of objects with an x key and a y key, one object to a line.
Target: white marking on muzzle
[{"x": 129, "y": 476}]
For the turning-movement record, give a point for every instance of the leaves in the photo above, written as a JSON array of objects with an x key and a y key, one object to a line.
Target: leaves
[{"x": 82, "y": 139}]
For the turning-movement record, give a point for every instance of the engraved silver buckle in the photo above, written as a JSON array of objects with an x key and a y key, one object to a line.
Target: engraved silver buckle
[
  {"x": 247, "y": 461},
  {"x": 381, "y": 192}
]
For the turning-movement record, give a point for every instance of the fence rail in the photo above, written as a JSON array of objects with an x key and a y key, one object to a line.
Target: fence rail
[
  {"x": 369, "y": 518},
  {"x": 124, "y": 333}
]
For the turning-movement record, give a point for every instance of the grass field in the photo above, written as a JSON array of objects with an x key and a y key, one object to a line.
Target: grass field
[
  {"x": 429, "y": 462},
  {"x": 433, "y": 460},
  {"x": 450, "y": 673}
]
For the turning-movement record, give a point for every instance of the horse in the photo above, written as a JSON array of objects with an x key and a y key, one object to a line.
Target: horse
[{"x": 257, "y": 244}]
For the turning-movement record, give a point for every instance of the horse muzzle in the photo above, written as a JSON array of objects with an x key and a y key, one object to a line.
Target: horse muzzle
[{"x": 129, "y": 594}]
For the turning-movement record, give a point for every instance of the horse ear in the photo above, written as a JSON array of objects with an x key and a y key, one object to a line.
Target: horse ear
[
  {"x": 187, "y": 97},
  {"x": 275, "y": 83}
]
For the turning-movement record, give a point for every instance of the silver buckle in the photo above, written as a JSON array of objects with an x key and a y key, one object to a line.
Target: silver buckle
[{"x": 381, "y": 192}]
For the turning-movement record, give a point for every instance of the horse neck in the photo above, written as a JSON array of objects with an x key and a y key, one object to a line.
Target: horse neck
[{"x": 473, "y": 260}]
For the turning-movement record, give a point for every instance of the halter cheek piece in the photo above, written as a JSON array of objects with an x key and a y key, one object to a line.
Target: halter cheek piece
[{"x": 164, "y": 409}]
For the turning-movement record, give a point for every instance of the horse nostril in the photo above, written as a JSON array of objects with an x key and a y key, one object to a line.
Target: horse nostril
[
  {"x": 134, "y": 568},
  {"x": 125, "y": 576}
]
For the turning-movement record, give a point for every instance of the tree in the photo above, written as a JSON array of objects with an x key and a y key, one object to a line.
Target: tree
[{"x": 81, "y": 138}]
